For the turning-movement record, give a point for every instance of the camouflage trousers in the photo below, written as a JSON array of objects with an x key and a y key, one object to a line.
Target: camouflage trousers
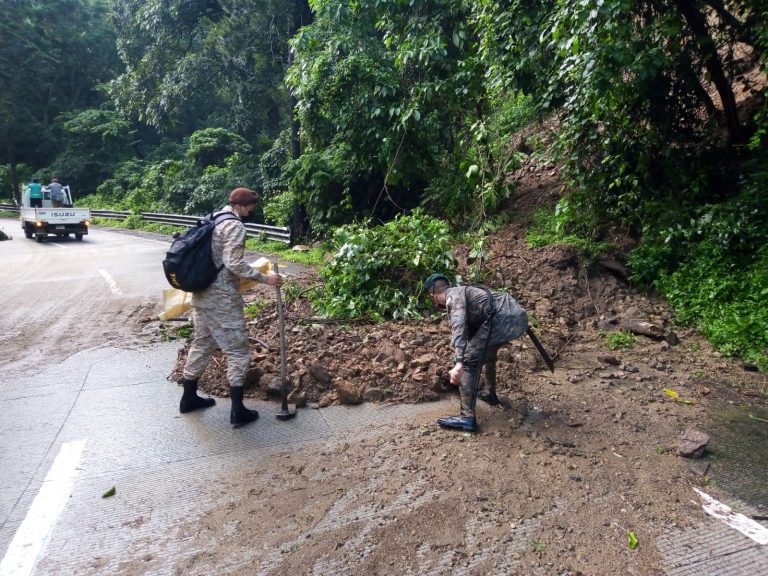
[
  {"x": 230, "y": 337},
  {"x": 509, "y": 323}
]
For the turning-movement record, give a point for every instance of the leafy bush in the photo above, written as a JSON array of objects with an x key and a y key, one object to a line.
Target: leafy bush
[
  {"x": 713, "y": 268},
  {"x": 618, "y": 340},
  {"x": 566, "y": 226},
  {"x": 376, "y": 272},
  {"x": 212, "y": 146}
]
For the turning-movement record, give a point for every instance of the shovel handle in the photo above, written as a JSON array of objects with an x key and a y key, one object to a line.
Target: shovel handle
[{"x": 281, "y": 324}]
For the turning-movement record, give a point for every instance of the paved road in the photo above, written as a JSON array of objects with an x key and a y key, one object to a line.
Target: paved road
[{"x": 85, "y": 407}]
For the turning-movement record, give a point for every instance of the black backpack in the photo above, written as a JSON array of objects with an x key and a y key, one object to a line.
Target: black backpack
[{"x": 188, "y": 265}]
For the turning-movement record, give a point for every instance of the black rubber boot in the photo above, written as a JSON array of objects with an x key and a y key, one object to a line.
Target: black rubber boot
[
  {"x": 190, "y": 400},
  {"x": 240, "y": 415},
  {"x": 488, "y": 397}
]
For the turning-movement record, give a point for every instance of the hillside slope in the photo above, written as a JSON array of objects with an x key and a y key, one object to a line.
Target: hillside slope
[{"x": 556, "y": 476}]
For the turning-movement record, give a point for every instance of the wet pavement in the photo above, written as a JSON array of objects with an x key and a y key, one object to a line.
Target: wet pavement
[
  {"x": 133, "y": 439},
  {"x": 107, "y": 417},
  {"x": 738, "y": 452}
]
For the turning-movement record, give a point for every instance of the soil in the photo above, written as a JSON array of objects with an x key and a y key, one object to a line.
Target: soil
[{"x": 558, "y": 474}]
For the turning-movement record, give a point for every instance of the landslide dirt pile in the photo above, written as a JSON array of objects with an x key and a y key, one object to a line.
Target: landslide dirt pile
[
  {"x": 574, "y": 307},
  {"x": 555, "y": 478}
]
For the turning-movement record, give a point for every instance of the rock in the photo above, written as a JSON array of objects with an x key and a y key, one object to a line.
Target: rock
[
  {"x": 612, "y": 360},
  {"x": 692, "y": 443},
  {"x": 327, "y": 399},
  {"x": 671, "y": 339},
  {"x": 298, "y": 398},
  {"x": 321, "y": 374},
  {"x": 301, "y": 248},
  {"x": 274, "y": 388},
  {"x": 424, "y": 360},
  {"x": 348, "y": 392},
  {"x": 373, "y": 395},
  {"x": 252, "y": 378}
]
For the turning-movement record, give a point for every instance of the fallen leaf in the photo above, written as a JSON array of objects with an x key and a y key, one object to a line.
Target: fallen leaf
[
  {"x": 632, "y": 540},
  {"x": 670, "y": 393},
  {"x": 111, "y": 492}
]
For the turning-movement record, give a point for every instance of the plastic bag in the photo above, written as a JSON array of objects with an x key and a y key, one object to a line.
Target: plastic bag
[{"x": 177, "y": 302}]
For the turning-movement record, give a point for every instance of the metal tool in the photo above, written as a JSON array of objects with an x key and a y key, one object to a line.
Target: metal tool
[
  {"x": 285, "y": 413},
  {"x": 542, "y": 351}
]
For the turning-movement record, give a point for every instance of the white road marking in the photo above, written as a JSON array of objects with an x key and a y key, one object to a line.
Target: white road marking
[
  {"x": 746, "y": 526},
  {"x": 114, "y": 288},
  {"x": 32, "y": 535}
]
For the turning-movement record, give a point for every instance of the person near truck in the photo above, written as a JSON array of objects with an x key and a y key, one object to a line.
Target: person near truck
[
  {"x": 218, "y": 312},
  {"x": 35, "y": 191},
  {"x": 56, "y": 191},
  {"x": 481, "y": 322}
]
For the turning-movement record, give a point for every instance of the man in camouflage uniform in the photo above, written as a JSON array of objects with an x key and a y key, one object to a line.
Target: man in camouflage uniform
[
  {"x": 218, "y": 311},
  {"x": 481, "y": 322}
]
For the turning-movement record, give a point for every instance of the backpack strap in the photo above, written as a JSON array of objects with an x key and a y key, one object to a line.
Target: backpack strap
[{"x": 217, "y": 217}]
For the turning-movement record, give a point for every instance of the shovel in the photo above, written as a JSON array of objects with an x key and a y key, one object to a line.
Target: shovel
[
  {"x": 541, "y": 349},
  {"x": 285, "y": 413}
]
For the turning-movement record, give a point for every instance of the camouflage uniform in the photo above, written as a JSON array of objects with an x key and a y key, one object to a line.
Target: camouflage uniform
[
  {"x": 476, "y": 329},
  {"x": 218, "y": 310}
]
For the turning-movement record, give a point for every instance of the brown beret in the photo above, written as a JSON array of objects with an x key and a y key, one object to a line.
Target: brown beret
[{"x": 243, "y": 196}]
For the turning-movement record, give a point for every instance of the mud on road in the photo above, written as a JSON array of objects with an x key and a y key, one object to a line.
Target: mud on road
[{"x": 557, "y": 476}]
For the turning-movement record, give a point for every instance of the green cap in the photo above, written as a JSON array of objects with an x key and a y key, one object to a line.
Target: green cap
[{"x": 430, "y": 281}]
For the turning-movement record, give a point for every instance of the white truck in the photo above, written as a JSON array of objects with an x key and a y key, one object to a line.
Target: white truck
[{"x": 41, "y": 222}]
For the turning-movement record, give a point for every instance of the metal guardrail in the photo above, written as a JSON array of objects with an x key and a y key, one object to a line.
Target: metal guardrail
[{"x": 273, "y": 233}]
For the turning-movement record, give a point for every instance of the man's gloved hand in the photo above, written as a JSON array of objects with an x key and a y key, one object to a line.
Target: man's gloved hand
[{"x": 456, "y": 372}]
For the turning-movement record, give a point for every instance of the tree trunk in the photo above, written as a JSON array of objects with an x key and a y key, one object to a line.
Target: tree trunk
[
  {"x": 698, "y": 25},
  {"x": 12, "y": 162},
  {"x": 302, "y": 16}
]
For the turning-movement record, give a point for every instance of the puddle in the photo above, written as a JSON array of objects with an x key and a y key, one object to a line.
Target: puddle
[{"x": 738, "y": 452}]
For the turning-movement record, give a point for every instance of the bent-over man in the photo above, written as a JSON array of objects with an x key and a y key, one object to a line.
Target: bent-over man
[{"x": 481, "y": 322}]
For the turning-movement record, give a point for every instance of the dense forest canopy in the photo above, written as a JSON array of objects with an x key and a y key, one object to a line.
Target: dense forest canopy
[{"x": 361, "y": 110}]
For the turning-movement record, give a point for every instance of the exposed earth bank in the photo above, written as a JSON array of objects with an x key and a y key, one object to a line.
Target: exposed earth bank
[{"x": 558, "y": 475}]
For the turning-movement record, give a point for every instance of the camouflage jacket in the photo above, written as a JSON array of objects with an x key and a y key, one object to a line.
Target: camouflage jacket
[
  {"x": 228, "y": 246},
  {"x": 470, "y": 308}
]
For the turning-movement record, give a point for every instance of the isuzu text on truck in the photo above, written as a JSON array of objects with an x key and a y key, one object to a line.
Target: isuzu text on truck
[{"x": 50, "y": 221}]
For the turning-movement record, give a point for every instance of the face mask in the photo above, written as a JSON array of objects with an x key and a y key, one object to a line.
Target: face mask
[{"x": 250, "y": 217}]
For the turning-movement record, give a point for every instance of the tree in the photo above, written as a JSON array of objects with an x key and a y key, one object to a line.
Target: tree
[
  {"x": 52, "y": 56},
  {"x": 393, "y": 111},
  {"x": 204, "y": 63}
]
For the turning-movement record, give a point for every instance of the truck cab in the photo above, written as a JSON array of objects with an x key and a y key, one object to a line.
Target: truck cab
[{"x": 39, "y": 223}]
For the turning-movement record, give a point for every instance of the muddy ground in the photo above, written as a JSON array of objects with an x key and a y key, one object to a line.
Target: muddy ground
[{"x": 556, "y": 477}]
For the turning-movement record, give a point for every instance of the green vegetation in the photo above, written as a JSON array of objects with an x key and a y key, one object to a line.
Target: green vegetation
[
  {"x": 352, "y": 116},
  {"x": 618, "y": 340},
  {"x": 253, "y": 309},
  {"x": 711, "y": 263},
  {"x": 376, "y": 271},
  {"x": 135, "y": 222},
  {"x": 563, "y": 226},
  {"x": 281, "y": 251}
]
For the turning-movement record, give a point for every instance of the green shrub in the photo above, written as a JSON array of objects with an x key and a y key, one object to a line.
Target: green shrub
[
  {"x": 376, "y": 272},
  {"x": 568, "y": 226},
  {"x": 618, "y": 340},
  {"x": 711, "y": 263}
]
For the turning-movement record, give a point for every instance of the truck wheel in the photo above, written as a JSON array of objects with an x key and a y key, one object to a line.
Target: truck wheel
[
  {"x": 27, "y": 230},
  {"x": 78, "y": 236},
  {"x": 39, "y": 238}
]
